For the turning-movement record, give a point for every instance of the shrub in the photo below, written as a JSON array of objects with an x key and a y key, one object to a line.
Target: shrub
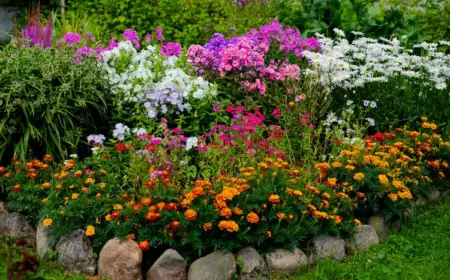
[
  {"x": 47, "y": 101},
  {"x": 184, "y": 21}
]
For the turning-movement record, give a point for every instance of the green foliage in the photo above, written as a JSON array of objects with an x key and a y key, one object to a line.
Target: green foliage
[
  {"x": 412, "y": 21},
  {"x": 419, "y": 251},
  {"x": 47, "y": 101},
  {"x": 183, "y": 21}
]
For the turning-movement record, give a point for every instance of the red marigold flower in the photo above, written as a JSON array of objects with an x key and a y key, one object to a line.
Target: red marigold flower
[{"x": 144, "y": 245}]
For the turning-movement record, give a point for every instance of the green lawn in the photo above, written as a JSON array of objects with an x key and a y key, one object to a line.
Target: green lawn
[{"x": 421, "y": 250}]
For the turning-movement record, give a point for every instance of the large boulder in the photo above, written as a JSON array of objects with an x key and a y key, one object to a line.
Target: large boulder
[
  {"x": 219, "y": 265},
  {"x": 170, "y": 266},
  {"x": 283, "y": 261},
  {"x": 75, "y": 253},
  {"x": 434, "y": 196},
  {"x": 326, "y": 246},
  {"x": 42, "y": 241},
  {"x": 380, "y": 226},
  {"x": 365, "y": 237},
  {"x": 14, "y": 225},
  {"x": 120, "y": 260},
  {"x": 253, "y": 265}
]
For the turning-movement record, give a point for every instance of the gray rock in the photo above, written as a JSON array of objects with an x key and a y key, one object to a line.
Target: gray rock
[
  {"x": 311, "y": 258},
  {"x": 419, "y": 202},
  {"x": 434, "y": 196},
  {"x": 219, "y": 265},
  {"x": 170, "y": 266},
  {"x": 14, "y": 225},
  {"x": 365, "y": 237},
  {"x": 42, "y": 241},
  {"x": 254, "y": 266},
  {"x": 75, "y": 253},
  {"x": 283, "y": 261},
  {"x": 3, "y": 209},
  {"x": 326, "y": 246},
  {"x": 7, "y": 14},
  {"x": 380, "y": 226}
]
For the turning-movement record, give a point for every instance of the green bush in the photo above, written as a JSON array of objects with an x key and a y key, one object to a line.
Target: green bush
[
  {"x": 411, "y": 21},
  {"x": 47, "y": 101},
  {"x": 183, "y": 21}
]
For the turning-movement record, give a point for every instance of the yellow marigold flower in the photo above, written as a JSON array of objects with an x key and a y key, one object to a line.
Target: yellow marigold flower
[
  {"x": 77, "y": 173},
  {"x": 46, "y": 185},
  {"x": 98, "y": 195},
  {"x": 326, "y": 196},
  {"x": 358, "y": 176},
  {"x": 47, "y": 222},
  {"x": 398, "y": 184},
  {"x": 269, "y": 233},
  {"x": 89, "y": 181},
  {"x": 102, "y": 185},
  {"x": 75, "y": 196},
  {"x": 297, "y": 193},
  {"x": 357, "y": 222},
  {"x": 90, "y": 230},
  {"x": 322, "y": 166},
  {"x": 263, "y": 165},
  {"x": 424, "y": 119},
  {"x": 84, "y": 189},
  {"x": 190, "y": 214},
  {"x": 58, "y": 187},
  {"x": 103, "y": 172},
  {"x": 207, "y": 226},
  {"x": 383, "y": 179},
  {"x": 252, "y": 218},
  {"x": 349, "y": 167},
  {"x": 393, "y": 197},
  {"x": 108, "y": 217},
  {"x": 117, "y": 207},
  {"x": 321, "y": 215},
  {"x": 44, "y": 200},
  {"x": 336, "y": 164},
  {"x": 230, "y": 226}
]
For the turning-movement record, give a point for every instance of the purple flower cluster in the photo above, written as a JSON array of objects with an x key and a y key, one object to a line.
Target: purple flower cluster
[
  {"x": 245, "y": 2},
  {"x": 246, "y": 56},
  {"x": 36, "y": 34},
  {"x": 169, "y": 49},
  {"x": 70, "y": 39}
]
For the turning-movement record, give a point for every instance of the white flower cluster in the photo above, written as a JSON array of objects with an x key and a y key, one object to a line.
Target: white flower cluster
[
  {"x": 365, "y": 60},
  {"x": 147, "y": 76},
  {"x": 121, "y": 131}
]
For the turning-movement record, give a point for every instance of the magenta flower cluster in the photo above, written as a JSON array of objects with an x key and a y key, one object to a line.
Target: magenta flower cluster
[
  {"x": 169, "y": 49},
  {"x": 248, "y": 57},
  {"x": 35, "y": 33}
]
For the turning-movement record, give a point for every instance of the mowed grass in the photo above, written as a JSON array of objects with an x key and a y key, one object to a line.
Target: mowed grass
[{"x": 421, "y": 250}]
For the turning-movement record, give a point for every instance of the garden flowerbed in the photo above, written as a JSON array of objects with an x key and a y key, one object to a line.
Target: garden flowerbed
[{"x": 252, "y": 155}]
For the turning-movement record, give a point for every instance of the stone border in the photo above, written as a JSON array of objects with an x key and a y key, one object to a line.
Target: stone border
[{"x": 123, "y": 259}]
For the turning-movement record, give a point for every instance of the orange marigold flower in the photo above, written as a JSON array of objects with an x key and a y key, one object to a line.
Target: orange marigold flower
[
  {"x": 152, "y": 216},
  {"x": 349, "y": 167},
  {"x": 174, "y": 225},
  {"x": 207, "y": 226},
  {"x": 226, "y": 212},
  {"x": 336, "y": 164},
  {"x": 358, "y": 176},
  {"x": 144, "y": 245},
  {"x": 131, "y": 236},
  {"x": 190, "y": 214},
  {"x": 360, "y": 195},
  {"x": 2, "y": 169},
  {"x": 321, "y": 215},
  {"x": 47, "y": 222},
  {"x": 398, "y": 184},
  {"x": 90, "y": 230},
  {"x": 77, "y": 173},
  {"x": 146, "y": 201},
  {"x": 89, "y": 181},
  {"x": 172, "y": 206},
  {"x": 273, "y": 198},
  {"x": 297, "y": 193},
  {"x": 108, "y": 217},
  {"x": 323, "y": 166},
  {"x": 269, "y": 234},
  {"x": 48, "y": 158},
  {"x": 75, "y": 196},
  {"x": 150, "y": 184},
  {"x": 326, "y": 196},
  {"x": 16, "y": 188},
  {"x": 84, "y": 189},
  {"x": 393, "y": 197},
  {"x": 252, "y": 218},
  {"x": 115, "y": 215},
  {"x": 46, "y": 185},
  {"x": 357, "y": 222},
  {"x": 238, "y": 211},
  {"x": 230, "y": 226},
  {"x": 281, "y": 215}
]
